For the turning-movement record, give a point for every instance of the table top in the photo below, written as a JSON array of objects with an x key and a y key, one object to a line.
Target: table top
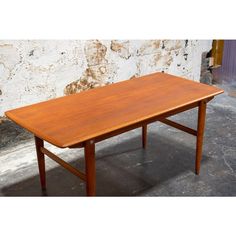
[{"x": 72, "y": 119}]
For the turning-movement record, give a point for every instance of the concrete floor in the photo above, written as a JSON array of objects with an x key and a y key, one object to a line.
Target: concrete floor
[{"x": 165, "y": 168}]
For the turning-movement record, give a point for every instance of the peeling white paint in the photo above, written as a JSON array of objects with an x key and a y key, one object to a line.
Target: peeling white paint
[{"x": 38, "y": 70}]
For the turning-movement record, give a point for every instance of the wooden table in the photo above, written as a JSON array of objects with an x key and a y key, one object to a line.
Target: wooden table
[{"x": 81, "y": 120}]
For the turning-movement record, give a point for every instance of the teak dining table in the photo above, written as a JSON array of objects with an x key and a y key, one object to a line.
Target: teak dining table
[{"x": 83, "y": 119}]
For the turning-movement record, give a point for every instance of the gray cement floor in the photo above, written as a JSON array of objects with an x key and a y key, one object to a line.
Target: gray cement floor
[{"x": 165, "y": 168}]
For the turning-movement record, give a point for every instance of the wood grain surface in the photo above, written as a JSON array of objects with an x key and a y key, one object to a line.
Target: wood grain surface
[{"x": 76, "y": 118}]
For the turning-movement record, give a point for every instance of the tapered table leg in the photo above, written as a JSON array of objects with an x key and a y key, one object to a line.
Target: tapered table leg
[
  {"x": 41, "y": 162},
  {"x": 144, "y": 135},
  {"x": 200, "y": 134},
  {"x": 89, "y": 151}
]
